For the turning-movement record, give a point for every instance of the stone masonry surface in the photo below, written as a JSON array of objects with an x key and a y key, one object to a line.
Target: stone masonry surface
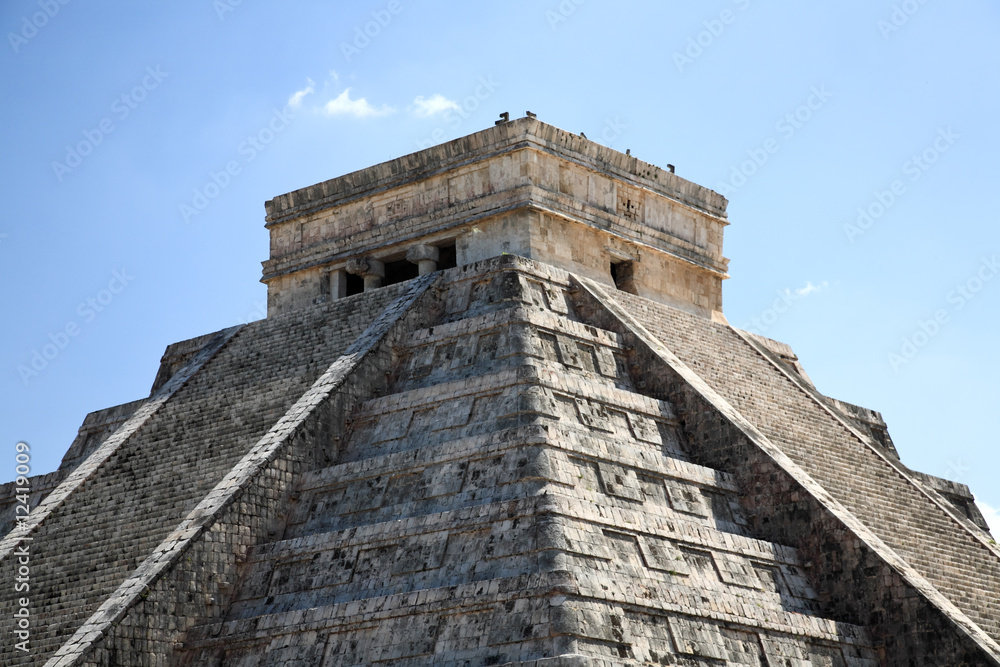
[
  {"x": 202, "y": 554},
  {"x": 555, "y": 453},
  {"x": 948, "y": 555},
  {"x": 501, "y": 480},
  {"x": 112, "y": 521},
  {"x": 514, "y": 473}
]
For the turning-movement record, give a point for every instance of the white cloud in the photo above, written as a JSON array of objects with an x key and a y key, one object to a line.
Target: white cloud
[
  {"x": 991, "y": 514},
  {"x": 296, "y": 99},
  {"x": 359, "y": 108},
  {"x": 434, "y": 104},
  {"x": 802, "y": 292}
]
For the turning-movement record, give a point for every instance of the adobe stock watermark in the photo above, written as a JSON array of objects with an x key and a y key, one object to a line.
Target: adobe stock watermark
[
  {"x": 613, "y": 129},
  {"x": 914, "y": 168},
  {"x": 714, "y": 27},
  {"x": 259, "y": 312},
  {"x": 121, "y": 108},
  {"x": 223, "y": 7},
  {"x": 363, "y": 35},
  {"x": 562, "y": 12},
  {"x": 22, "y": 554},
  {"x": 86, "y": 312},
  {"x": 782, "y": 304},
  {"x": 455, "y": 117},
  {"x": 956, "y": 470},
  {"x": 31, "y": 25},
  {"x": 247, "y": 150},
  {"x": 786, "y": 127},
  {"x": 901, "y": 14},
  {"x": 958, "y": 298}
]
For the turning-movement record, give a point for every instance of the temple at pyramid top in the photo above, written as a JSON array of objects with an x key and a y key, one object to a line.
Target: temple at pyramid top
[{"x": 523, "y": 188}]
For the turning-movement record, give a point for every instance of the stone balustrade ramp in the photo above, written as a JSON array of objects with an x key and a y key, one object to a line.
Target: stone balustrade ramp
[{"x": 123, "y": 508}]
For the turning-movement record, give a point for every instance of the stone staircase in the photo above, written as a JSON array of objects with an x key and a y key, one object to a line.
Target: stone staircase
[
  {"x": 516, "y": 499},
  {"x": 951, "y": 557},
  {"x": 89, "y": 544}
]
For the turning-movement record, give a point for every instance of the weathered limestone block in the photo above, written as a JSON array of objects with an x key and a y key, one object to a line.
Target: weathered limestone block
[
  {"x": 424, "y": 256},
  {"x": 372, "y": 270}
]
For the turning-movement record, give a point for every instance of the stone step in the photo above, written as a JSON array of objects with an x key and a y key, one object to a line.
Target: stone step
[
  {"x": 468, "y": 543},
  {"x": 469, "y": 470},
  {"x": 856, "y": 475},
  {"x": 536, "y": 390},
  {"x": 525, "y": 618},
  {"x": 110, "y": 524},
  {"x": 471, "y": 295},
  {"x": 503, "y": 338}
]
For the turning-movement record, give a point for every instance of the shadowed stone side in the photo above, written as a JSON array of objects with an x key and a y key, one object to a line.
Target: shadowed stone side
[
  {"x": 110, "y": 446},
  {"x": 852, "y": 564},
  {"x": 102, "y": 530},
  {"x": 139, "y": 623}
]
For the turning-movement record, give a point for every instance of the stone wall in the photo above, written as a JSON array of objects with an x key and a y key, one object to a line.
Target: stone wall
[
  {"x": 522, "y": 188},
  {"x": 189, "y": 576},
  {"x": 96, "y": 428},
  {"x": 897, "y": 597},
  {"x": 109, "y": 515}
]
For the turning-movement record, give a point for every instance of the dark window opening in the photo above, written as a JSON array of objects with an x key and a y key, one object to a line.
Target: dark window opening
[
  {"x": 622, "y": 274},
  {"x": 447, "y": 257},
  {"x": 397, "y": 272},
  {"x": 355, "y": 284}
]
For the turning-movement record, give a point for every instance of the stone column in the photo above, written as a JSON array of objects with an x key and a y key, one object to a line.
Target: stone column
[
  {"x": 335, "y": 283},
  {"x": 372, "y": 270},
  {"x": 424, "y": 256}
]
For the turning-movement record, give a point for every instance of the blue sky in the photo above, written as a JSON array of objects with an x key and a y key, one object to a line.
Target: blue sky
[{"x": 856, "y": 142}]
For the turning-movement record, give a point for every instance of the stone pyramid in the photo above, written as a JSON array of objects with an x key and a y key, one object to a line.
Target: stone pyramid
[{"x": 495, "y": 416}]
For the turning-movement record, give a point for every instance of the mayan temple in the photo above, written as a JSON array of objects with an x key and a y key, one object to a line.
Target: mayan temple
[{"x": 495, "y": 416}]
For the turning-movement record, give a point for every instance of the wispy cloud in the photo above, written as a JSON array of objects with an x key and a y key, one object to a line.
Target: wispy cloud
[
  {"x": 809, "y": 288},
  {"x": 359, "y": 108},
  {"x": 991, "y": 514},
  {"x": 296, "y": 99},
  {"x": 434, "y": 104}
]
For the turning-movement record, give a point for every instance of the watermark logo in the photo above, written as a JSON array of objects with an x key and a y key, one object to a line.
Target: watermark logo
[
  {"x": 958, "y": 298},
  {"x": 248, "y": 150},
  {"x": 122, "y": 108},
  {"x": 785, "y": 301},
  {"x": 363, "y": 35},
  {"x": 38, "y": 20},
  {"x": 223, "y": 7},
  {"x": 957, "y": 470},
  {"x": 259, "y": 312},
  {"x": 87, "y": 311},
  {"x": 613, "y": 129},
  {"x": 914, "y": 168},
  {"x": 562, "y": 13},
  {"x": 22, "y": 554},
  {"x": 714, "y": 27},
  {"x": 900, "y": 16},
  {"x": 786, "y": 126}
]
